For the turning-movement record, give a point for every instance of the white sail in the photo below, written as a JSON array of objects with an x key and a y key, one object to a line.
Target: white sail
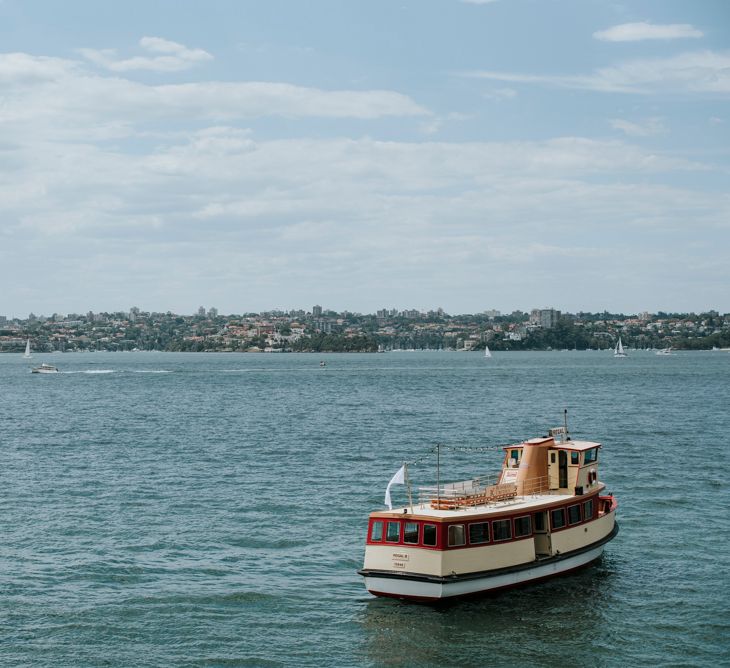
[
  {"x": 619, "y": 351},
  {"x": 487, "y": 352},
  {"x": 27, "y": 354}
]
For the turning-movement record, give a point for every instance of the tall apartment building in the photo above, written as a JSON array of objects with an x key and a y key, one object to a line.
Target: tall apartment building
[{"x": 546, "y": 318}]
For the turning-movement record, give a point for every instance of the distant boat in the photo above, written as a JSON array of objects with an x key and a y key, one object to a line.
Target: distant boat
[
  {"x": 27, "y": 354},
  {"x": 323, "y": 363},
  {"x": 664, "y": 351},
  {"x": 487, "y": 352},
  {"x": 619, "y": 350},
  {"x": 44, "y": 368}
]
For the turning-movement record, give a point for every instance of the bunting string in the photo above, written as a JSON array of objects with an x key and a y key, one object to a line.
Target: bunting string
[{"x": 428, "y": 456}]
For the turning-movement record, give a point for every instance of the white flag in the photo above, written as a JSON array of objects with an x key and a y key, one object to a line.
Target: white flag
[{"x": 397, "y": 479}]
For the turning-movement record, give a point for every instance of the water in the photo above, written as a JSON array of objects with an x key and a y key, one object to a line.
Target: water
[{"x": 209, "y": 510}]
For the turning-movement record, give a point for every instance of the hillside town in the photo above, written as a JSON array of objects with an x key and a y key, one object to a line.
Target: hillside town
[{"x": 322, "y": 330}]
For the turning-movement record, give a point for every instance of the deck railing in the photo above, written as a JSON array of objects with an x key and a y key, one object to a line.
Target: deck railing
[{"x": 478, "y": 491}]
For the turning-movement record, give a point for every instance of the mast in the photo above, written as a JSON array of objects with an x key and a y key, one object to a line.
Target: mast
[{"x": 438, "y": 473}]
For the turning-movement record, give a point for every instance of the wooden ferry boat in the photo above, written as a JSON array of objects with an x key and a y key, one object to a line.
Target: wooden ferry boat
[{"x": 545, "y": 514}]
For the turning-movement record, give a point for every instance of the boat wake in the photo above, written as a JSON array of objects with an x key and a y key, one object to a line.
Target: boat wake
[{"x": 151, "y": 371}]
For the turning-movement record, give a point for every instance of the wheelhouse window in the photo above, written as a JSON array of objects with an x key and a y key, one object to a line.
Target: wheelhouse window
[
  {"x": 574, "y": 457},
  {"x": 590, "y": 456},
  {"x": 574, "y": 514},
  {"x": 502, "y": 529},
  {"x": 456, "y": 535},
  {"x": 429, "y": 535},
  {"x": 376, "y": 531},
  {"x": 588, "y": 510},
  {"x": 410, "y": 532},
  {"x": 392, "y": 532},
  {"x": 557, "y": 518},
  {"x": 523, "y": 526},
  {"x": 478, "y": 533}
]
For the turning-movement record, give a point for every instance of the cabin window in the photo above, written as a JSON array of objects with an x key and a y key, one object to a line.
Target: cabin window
[
  {"x": 514, "y": 456},
  {"x": 523, "y": 526},
  {"x": 539, "y": 521},
  {"x": 456, "y": 535},
  {"x": 573, "y": 514},
  {"x": 376, "y": 531},
  {"x": 429, "y": 534},
  {"x": 591, "y": 456},
  {"x": 502, "y": 529},
  {"x": 574, "y": 458},
  {"x": 392, "y": 532},
  {"x": 410, "y": 532},
  {"x": 557, "y": 518},
  {"x": 588, "y": 510},
  {"x": 479, "y": 533}
]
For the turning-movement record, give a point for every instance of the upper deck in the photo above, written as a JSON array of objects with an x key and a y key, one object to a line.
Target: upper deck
[{"x": 536, "y": 473}]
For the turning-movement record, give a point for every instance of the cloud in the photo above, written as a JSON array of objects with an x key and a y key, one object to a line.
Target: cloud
[
  {"x": 500, "y": 94},
  {"x": 97, "y": 192},
  {"x": 634, "y": 32},
  {"x": 219, "y": 216},
  {"x": 687, "y": 73},
  {"x": 175, "y": 58},
  {"x": 52, "y": 97},
  {"x": 479, "y": 2},
  {"x": 651, "y": 126},
  {"x": 24, "y": 69}
]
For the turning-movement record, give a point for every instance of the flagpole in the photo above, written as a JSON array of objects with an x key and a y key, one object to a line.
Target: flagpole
[
  {"x": 438, "y": 474},
  {"x": 408, "y": 484}
]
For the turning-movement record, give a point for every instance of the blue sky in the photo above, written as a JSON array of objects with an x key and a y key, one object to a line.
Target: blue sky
[{"x": 412, "y": 154}]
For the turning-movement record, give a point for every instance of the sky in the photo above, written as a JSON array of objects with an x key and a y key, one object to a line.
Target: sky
[{"x": 364, "y": 154}]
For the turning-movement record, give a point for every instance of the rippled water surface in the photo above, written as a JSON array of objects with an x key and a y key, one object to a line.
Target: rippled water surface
[{"x": 170, "y": 509}]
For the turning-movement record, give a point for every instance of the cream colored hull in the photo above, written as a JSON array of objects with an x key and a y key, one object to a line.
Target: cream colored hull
[{"x": 403, "y": 587}]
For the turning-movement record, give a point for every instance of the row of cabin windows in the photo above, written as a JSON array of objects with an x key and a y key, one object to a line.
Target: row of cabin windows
[
  {"x": 559, "y": 519},
  {"x": 589, "y": 456},
  {"x": 410, "y": 532},
  {"x": 479, "y": 532}
]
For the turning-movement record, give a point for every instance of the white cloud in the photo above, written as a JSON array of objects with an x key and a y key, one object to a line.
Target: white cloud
[
  {"x": 176, "y": 57},
  {"x": 500, "y": 94},
  {"x": 52, "y": 97},
  {"x": 24, "y": 69},
  {"x": 221, "y": 216},
  {"x": 693, "y": 72},
  {"x": 634, "y": 32},
  {"x": 651, "y": 126}
]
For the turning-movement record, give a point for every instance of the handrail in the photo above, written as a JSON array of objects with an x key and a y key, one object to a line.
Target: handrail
[{"x": 478, "y": 491}]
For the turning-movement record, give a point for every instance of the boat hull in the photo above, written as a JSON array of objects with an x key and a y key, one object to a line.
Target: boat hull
[{"x": 427, "y": 588}]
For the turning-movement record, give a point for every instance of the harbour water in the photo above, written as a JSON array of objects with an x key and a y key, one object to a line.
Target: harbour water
[{"x": 167, "y": 509}]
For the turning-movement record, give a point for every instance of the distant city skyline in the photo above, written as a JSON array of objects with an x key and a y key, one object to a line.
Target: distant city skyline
[
  {"x": 549, "y": 313},
  {"x": 456, "y": 153}
]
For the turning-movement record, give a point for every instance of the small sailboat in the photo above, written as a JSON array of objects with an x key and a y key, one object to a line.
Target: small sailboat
[
  {"x": 487, "y": 352},
  {"x": 619, "y": 350},
  {"x": 26, "y": 354}
]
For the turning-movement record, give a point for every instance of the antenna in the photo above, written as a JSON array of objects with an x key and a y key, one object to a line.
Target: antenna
[{"x": 565, "y": 422}]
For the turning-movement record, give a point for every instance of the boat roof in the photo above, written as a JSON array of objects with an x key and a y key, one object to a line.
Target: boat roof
[
  {"x": 563, "y": 445},
  {"x": 507, "y": 507}
]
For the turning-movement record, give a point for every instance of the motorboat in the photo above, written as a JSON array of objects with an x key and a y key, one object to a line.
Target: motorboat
[{"x": 44, "y": 368}]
